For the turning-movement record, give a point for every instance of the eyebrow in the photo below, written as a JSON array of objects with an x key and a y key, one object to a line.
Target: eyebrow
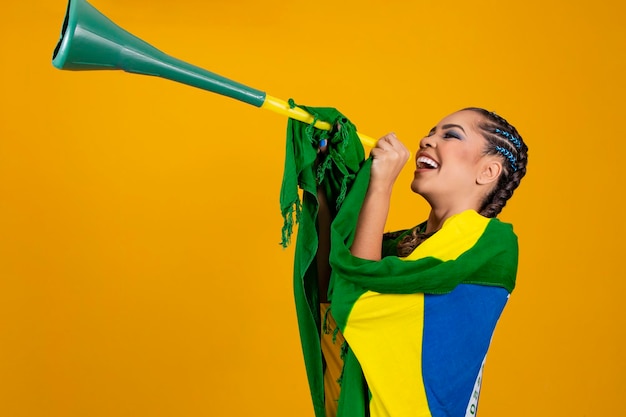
[
  {"x": 446, "y": 126},
  {"x": 451, "y": 125}
]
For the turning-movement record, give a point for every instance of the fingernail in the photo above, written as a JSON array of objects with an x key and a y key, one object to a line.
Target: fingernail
[{"x": 323, "y": 143}]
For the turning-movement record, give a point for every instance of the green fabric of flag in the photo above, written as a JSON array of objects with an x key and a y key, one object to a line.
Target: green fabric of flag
[
  {"x": 334, "y": 171},
  {"x": 491, "y": 261}
]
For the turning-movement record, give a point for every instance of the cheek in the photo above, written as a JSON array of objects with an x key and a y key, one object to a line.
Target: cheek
[
  {"x": 464, "y": 160},
  {"x": 461, "y": 162}
]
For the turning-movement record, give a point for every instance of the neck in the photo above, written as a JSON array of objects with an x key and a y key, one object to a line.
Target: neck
[{"x": 437, "y": 217}]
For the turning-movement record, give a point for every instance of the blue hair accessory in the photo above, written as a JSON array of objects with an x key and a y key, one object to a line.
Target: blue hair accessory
[
  {"x": 513, "y": 139},
  {"x": 508, "y": 155}
]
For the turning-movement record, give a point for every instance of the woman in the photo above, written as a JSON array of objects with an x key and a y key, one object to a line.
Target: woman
[{"x": 417, "y": 308}]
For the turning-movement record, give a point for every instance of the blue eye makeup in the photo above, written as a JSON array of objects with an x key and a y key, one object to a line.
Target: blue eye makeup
[
  {"x": 448, "y": 133},
  {"x": 451, "y": 134}
]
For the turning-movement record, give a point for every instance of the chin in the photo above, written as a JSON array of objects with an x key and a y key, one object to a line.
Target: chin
[
  {"x": 424, "y": 190},
  {"x": 415, "y": 187}
]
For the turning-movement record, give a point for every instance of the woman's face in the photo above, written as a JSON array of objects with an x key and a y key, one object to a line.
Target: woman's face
[{"x": 449, "y": 162}]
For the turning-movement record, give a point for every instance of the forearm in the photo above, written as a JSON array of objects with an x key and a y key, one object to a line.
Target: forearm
[
  {"x": 389, "y": 156},
  {"x": 371, "y": 224}
]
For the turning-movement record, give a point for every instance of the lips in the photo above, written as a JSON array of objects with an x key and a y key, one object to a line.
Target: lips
[{"x": 426, "y": 162}]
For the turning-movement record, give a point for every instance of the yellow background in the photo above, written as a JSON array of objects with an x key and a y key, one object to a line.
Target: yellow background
[{"x": 140, "y": 271}]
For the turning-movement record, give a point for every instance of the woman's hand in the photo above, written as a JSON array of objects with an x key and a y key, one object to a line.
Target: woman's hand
[{"x": 389, "y": 157}]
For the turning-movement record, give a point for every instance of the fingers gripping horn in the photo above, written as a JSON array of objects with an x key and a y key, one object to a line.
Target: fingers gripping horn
[{"x": 91, "y": 41}]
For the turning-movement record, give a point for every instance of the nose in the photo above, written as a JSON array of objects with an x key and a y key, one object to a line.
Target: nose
[{"x": 428, "y": 142}]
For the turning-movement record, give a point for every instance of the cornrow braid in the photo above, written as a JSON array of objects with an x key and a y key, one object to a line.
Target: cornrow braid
[
  {"x": 508, "y": 155},
  {"x": 503, "y": 139}
]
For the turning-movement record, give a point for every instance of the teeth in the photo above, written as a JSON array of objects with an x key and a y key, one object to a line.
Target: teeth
[{"x": 425, "y": 161}]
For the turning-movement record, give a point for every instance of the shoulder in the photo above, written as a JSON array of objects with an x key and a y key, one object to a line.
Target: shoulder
[
  {"x": 504, "y": 232},
  {"x": 471, "y": 222}
]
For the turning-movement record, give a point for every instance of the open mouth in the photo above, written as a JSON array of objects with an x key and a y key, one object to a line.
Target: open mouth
[{"x": 424, "y": 162}]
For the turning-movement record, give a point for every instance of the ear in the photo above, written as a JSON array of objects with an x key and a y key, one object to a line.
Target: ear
[{"x": 490, "y": 171}]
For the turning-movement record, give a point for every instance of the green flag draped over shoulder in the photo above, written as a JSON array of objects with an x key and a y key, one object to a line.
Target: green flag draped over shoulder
[
  {"x": 491, "y": 260},
  {"x": 487, "y": 258}
]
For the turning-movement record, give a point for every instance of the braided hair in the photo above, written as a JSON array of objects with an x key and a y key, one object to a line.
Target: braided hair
[{"x": 502, "y": 139}]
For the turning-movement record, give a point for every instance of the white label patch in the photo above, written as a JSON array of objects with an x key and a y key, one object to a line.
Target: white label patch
[{"x": 472, "y": 407}]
